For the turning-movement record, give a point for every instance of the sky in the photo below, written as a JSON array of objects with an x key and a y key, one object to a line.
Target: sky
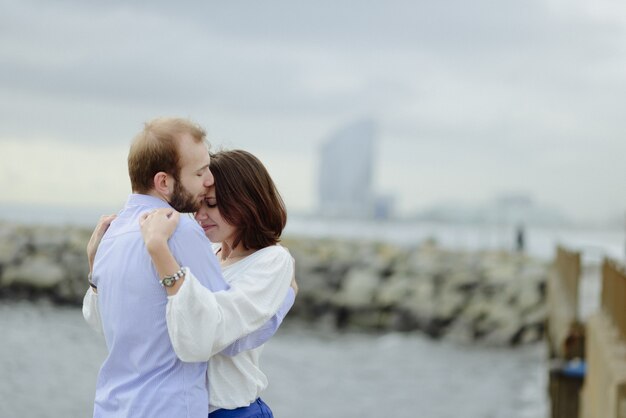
[{"x": 472, "y": 99}]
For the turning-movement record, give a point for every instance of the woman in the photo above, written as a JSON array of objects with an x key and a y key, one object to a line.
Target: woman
[{"x": 245, "y": 213}]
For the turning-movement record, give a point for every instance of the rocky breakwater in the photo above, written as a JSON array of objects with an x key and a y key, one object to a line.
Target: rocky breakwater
[
  {"x": 42, "y": 261},
  {"x": 494, "y": 298}
]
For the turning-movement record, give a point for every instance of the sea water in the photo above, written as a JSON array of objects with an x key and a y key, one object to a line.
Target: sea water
[{"x": 49, "y": 360}]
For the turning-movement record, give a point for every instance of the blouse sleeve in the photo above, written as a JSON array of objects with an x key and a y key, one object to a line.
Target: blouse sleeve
[
  {"x": 91, "y": 313},
  {"x": 263, "y": 334},
  {"x": 202, "y": 323}
]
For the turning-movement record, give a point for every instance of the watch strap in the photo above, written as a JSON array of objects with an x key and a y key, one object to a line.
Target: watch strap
[{"x": 169, "y": 281}]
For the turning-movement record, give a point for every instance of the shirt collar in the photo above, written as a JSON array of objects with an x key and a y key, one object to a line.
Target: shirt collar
[{"x": 136, "y": 199}]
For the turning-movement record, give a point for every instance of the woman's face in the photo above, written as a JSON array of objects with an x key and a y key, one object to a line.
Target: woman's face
[{"x": 211, "y": 221}]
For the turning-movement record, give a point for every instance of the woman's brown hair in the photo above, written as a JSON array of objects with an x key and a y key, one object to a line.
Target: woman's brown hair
[{"x": 247, "y": 198}]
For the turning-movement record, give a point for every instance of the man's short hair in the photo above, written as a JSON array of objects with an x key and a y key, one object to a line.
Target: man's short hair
[{"x": 155, "y": 149}]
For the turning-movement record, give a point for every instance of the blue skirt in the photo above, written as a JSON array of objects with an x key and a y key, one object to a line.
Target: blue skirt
[{"x": 257, "y": 409}]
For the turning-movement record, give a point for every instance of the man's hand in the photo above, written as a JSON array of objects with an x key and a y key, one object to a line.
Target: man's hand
[
  {"x": 158, "y": 226},
  {"x": 96, "y": 237},
  {"x": 294, "y": 284}
]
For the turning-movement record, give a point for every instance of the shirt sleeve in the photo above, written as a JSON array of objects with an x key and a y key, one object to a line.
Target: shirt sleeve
[
  {"x": 91, "y": 313},
  {"x": 202, "y": 323},
  {"x": 263, "y": 334}
]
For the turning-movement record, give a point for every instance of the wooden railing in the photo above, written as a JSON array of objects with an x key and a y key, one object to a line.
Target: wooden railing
[
  {"x": 564, "y": 331},
  {"x": 565, "y": 334},
  {"x": 604, "y": 389},
  {"x": 614, "y": 294}
]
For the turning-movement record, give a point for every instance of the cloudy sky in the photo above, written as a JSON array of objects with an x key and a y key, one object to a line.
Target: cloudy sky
[{"x": 472, "y": 98}]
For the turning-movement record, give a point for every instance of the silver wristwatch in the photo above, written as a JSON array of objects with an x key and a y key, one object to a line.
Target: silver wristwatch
[{"x": 169, "y": 281}]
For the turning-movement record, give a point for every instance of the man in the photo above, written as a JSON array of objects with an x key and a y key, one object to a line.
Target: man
[{"x": 168, "y": 165}]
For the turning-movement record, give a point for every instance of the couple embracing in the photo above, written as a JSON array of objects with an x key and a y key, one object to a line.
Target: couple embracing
[{"x": 185, "y": 320}]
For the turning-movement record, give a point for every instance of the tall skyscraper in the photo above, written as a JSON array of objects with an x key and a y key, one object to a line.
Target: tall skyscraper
[{"x": 346, "y": 172}]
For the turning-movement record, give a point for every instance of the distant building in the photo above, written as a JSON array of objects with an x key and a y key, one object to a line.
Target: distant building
[
  {"x": 384, "y": 206},
  {"x": 347, "y": 172}
]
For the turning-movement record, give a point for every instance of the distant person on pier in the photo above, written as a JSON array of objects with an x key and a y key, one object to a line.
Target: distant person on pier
[{"x": 519, "y": 238}]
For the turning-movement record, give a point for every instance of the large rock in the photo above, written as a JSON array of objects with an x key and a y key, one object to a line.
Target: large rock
[
  {"x": 394, "y": 292},
  {"x": 13, "y": 243},
  {"x": 358, "y": 289},
  {"x": 38, "y": 271}
]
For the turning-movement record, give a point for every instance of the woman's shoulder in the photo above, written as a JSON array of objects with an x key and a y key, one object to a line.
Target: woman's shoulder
[
  {"x": 270, "y": 257},
  {"x": 274, "y": 251},
  {"x": 270, "y": 260}
]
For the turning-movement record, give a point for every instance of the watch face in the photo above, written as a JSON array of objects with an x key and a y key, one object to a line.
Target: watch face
[{"x": 168, "y": 282}]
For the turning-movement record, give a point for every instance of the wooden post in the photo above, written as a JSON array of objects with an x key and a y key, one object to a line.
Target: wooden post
[
  {"x": 564, "y": 332},
  {"x": 564, "y": 393},
  {"x": 605, "y": 301},
  {"x": 620, "y": 306},
  {"x": 614, "y": 294},
  {"x": 604, "y": 390},
  {"x": 621, "y": 401}
]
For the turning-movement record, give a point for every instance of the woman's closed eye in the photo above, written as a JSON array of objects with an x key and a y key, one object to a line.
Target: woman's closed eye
[{"x": 210, "y": 202}]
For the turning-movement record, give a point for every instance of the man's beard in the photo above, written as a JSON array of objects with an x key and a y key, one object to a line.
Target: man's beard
[{"x": 182, "y": 200}]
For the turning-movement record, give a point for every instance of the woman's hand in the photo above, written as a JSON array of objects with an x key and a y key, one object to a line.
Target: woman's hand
[
  {"x": 96, "y": 237},
  {"x": 158, "y": 226}
]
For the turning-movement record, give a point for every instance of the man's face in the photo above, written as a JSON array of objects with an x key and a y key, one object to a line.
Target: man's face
[
  {"x": 195, "y": 176},
  {"x": 182, "y": 200}
]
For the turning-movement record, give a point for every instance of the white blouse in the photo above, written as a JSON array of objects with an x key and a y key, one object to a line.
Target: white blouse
[
  {"x": 261, "y": 282},
  {"x": 238, "y": 380}
]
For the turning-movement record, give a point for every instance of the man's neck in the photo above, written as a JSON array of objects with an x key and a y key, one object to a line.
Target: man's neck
[{"x": 156, "y": 194}]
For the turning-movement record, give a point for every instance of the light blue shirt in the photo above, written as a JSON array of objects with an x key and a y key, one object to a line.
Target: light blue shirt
[{"x": 141, "y": 376}]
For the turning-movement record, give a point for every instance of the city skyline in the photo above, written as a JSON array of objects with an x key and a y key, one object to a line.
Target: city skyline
[
  {"x": 471, "y": 101},
  {"x": 346, "y": 172}
]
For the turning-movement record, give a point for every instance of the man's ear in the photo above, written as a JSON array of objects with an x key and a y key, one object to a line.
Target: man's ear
[{"x": 164, "y": 184}]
